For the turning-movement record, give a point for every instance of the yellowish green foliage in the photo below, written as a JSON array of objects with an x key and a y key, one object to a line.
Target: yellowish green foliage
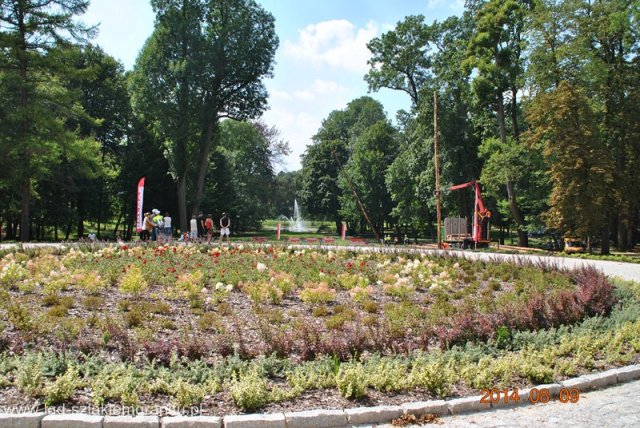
[{"x": 133, "y": 282}]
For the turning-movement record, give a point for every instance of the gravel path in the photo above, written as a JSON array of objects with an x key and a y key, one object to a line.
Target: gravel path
[{"x": 617, "y": 407}]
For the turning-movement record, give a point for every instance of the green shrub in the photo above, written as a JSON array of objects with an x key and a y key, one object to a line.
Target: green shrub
[
  {"x": 135, "y": 317},
  {"x": 186, "y": 394},
  {"x": 29, "y": 375},
  {"x": 320, "y": 311},
  {"x": 20, "y": 317},
  {"x": 316, "y": 374},
  {"x": 249, "y": 390},
  {"x": 58, "y": 311},
  {"x": 370, "y": 306},
  {"x": 386, "y": 374},
  {"x": 62, "y": 388},
  {"x": 189, "y": 285},
  {"x": 93, "y": 303},
  {"x": 116, "y": 382},
  {"x": 90, "y": 281},
  {"x": 351, "y": 380},
  {"x": 337, "y": 321},
  {"x": 11, "y": 273},
  {"x": 320, "y": 293},
  {"x": 432, "y": 373},
  {"x": 133, "y": 282}
]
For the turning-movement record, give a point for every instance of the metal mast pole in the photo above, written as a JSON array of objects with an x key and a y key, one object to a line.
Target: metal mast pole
[{"x": 435, "y": 140}]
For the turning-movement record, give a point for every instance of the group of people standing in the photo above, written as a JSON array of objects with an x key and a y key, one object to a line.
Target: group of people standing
[
  {"x": 201, "y": 226},
  {"x": 156, "y": 227}
]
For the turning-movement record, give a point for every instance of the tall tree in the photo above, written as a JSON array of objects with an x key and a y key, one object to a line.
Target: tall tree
[
  {"x": 496, "y": 53},
  {"x": 101, "y": 86},
  {"x": 593, "y": 46},
  {"x": 331, "y": 148},
  {"x": 611, "y": 32},
  {"x": 419, "y": 59},
  {"x": 30, "y": 32},
  {"x": 371, "y": 154},
  {"x": 203, "y": 62},
  {"x": 401, "y": 59},
  {"x": 242, "y": 183},
  {"x": 581, "y": 168}
]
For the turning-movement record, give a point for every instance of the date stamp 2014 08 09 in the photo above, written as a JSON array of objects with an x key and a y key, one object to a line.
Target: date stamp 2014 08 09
[{"x": 536, "y": 395}]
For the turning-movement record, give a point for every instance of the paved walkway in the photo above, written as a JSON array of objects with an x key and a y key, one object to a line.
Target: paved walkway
[{"x": 614, "y": 407}]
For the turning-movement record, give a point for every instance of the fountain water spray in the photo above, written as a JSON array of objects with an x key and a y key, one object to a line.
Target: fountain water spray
[{"x": 296, "y": 223}]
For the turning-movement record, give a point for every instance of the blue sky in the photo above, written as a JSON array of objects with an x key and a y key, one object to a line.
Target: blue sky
[{"x": 320, "y": 63}]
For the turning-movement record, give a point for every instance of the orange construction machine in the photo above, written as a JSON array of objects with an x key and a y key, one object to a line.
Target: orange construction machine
[{"x": 456, "y": 227}]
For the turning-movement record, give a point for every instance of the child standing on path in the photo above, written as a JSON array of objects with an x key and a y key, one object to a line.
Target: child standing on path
[
  {"x": 167, "y": 226},
  {"x": 194, "y": 228}
]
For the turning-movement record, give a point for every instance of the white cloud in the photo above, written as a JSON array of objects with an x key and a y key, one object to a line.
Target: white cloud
[
  {"x": 456, "y": 6},
  {"x": 337, "y": 43},
  {"x": 327, "y": 86},
  {"x": 319, "y": 88},
  {"x": 305, "y": 95},
  {"x": 297, "y": 129},
  {"x": 280, "y": 95}
]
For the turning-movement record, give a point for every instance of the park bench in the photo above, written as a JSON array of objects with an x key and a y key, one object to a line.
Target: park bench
[
  {"x": 293, "y": 240},
  {"x": 328, "y": 240},
  {"x": 259, "y": 239},
  {"x": 311, "y": 240}
]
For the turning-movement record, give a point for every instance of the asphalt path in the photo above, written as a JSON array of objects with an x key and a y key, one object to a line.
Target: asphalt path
[{"x": 614, "y": 407}]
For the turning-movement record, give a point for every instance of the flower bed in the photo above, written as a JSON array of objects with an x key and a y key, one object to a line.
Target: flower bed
[{"x": 230, "y": 328}]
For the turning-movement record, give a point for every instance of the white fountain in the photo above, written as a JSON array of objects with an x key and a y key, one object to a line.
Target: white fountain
[{"x": 296, "y": 223}]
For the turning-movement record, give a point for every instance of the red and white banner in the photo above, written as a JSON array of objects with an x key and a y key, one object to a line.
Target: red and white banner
[
  {"x": 139, "y": 226},
  {"x": 278, "y": 232},
  {"x": 343, "y": 233}
]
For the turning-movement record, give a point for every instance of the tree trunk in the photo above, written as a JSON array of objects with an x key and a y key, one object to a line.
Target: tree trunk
[
  {"x": 501, "y": 125},
  {"x": 523, "y": 238},
  {"x": 604, "y": 246},
  {"x": 68, "y": 233},
  {"x": 81, "y": 215},
  {"x": 115, "y": 229},
  {"x": 25, "y": 190},
  {"x": 203, "y": 167},
  {"x": 182, "y": 202},
  {"x": 622, "y": 234},
  {"x": 514, "y": 113},
  {"x": 100, "y": 203},
  {"x": 338, "y": 221},
  {"x": 25, "y": 187},
  {"x": 10, "y": 234}
]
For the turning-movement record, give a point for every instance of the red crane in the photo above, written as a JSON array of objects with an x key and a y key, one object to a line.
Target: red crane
[{"x": 481, "y": 215}]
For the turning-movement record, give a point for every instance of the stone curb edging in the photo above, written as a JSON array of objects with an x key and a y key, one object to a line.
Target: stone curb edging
[{"x": 317, "y": 418}]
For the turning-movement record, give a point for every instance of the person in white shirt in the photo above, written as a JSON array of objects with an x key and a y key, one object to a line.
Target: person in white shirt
[
  {"x": 194, "y": 228},
  {"x": 225, "y": 224},
  {"x": 167, "y": 226}
]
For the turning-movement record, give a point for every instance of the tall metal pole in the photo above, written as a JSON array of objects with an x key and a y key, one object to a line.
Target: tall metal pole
[{"x": 435, "y": 140}]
